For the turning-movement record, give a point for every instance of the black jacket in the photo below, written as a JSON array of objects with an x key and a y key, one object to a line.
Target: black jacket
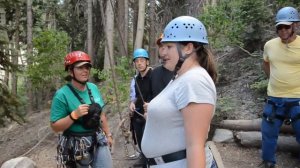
[{"x": 144, "y": 84}]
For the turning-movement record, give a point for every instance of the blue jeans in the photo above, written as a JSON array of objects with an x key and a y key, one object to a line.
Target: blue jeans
[
  {"x": 214, "y": 164},
  {"x": 270, "y": 129},
  {"x": 102, "y": 159}
]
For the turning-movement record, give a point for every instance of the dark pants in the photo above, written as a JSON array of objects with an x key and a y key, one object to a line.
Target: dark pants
[{"x": 139, "y": 126}]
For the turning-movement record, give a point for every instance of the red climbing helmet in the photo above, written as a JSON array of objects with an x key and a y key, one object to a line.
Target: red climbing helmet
[{"x": 76, "y": 56}]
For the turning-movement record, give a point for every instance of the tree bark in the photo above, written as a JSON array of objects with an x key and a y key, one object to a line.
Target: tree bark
[
  {"x": 135, "y": 9},
  {"x": 16, "y": 50},
  {"x": 109, "y": 30},
  {"x": 152, "y": 35},
  {"x": 29, "y": 53},
  {"x": 253, "y": 139},
  {"x": 90, "y": 29},
  {"x": 193, "y": 7},
  {"x": 249, "y": 125},
  {"x": 122, "y": 27},
  {"x": 140, "y": 25}
]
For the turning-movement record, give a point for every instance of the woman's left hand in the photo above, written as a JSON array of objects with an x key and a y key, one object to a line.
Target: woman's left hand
[{"x": 110, "y": 140}]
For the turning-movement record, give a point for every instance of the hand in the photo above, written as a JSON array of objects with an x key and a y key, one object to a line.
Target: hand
[
  {"x": 145, "y": 106},
  {"x": 145, "y": 115},
  {"x": 131, "y": 108},
  {"x": 110, "y": 140},
  {"x": 82, "y": 110}
]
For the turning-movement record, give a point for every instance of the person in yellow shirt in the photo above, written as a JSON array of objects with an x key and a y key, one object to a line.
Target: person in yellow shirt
[{"x": 282, "y": 66}]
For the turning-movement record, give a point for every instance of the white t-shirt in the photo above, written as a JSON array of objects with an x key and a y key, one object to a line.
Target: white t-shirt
[{"x": 164, "y": 131}]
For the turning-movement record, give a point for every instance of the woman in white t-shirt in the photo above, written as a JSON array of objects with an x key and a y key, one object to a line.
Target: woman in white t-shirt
[{"x": 179, "y": 117}]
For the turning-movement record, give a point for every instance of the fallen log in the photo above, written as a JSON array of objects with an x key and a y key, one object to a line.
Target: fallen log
[
  {"x": 253, "y": 139},
  {"x": 250, "y": 125}
]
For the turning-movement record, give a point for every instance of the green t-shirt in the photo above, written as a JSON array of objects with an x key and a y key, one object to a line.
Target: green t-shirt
[{"x": 64, "y": 102}]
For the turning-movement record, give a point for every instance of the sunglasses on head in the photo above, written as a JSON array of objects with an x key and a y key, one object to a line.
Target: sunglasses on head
[{"x": 280, "y": 27}]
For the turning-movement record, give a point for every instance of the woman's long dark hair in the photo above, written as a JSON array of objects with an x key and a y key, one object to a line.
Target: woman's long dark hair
[{"x": 205, "y": 59}]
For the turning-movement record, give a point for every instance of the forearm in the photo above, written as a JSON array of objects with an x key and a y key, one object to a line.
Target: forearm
[
  {"x": 104, "y": 124},
  {"x": 266, "y": 68},
  {"x": 62, "y": 124},
  {"x": 197, "y": 119},
  {"x": 196, "y": 157}
]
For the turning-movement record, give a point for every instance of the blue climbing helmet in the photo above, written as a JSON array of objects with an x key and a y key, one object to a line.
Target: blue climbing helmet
[
  {"x": 185, "y": 28},
  {"x": 140, "y": 53},
  {"x": 287, "y": 15}
]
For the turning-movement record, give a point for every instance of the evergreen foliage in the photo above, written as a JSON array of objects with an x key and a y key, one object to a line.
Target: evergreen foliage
[
  {"x": 124, "y": 74},
  {"x": 48, "y": 58}
]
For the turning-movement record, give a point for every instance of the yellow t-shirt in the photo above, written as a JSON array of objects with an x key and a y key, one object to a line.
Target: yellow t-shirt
[{"x": 284, "y": 63}]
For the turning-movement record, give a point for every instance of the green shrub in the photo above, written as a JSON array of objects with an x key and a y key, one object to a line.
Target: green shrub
[{"x": 260, "y": 86}]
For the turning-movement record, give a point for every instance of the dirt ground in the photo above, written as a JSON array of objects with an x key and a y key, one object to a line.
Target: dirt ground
[{"x": 36, "y": 140}]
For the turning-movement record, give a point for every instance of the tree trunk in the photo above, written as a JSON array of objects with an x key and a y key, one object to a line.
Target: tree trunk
[
  {"x": 90, "y": 29},
  {"x": 140, "y": 25},
  {"x": 193, "y": 7},
  {"x": 249, "y": 125},
  {"x": 152, "y": 35},
  {"x": 16, "y": 50},
  {"x": 122, "y": 27},
  {"x": 253, "y": 139},
  {"x": 126, "y": 23},
  {"x": 135, "y": 9},
  {"x": 29, "y": 53},
  {"x": 109, "y": 30}
]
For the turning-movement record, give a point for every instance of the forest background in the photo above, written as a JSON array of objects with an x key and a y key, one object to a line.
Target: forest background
[{"x": 35, "y": 35}]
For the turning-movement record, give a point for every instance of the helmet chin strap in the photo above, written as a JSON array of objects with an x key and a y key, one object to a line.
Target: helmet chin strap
[{"x": 181, "y": 59}]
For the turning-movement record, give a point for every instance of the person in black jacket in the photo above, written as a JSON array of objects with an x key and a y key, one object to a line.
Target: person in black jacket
[
  {"x": 143, "y": 95},
  {"x": 160, "y": 76}
]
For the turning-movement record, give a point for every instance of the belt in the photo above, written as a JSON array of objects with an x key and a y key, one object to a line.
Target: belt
[{"x": 171, "y": 157}]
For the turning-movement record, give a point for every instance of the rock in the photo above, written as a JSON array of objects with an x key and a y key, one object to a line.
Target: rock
[
  {"x": 19, "y": 162},
  {"x": 223, "y": 135}
]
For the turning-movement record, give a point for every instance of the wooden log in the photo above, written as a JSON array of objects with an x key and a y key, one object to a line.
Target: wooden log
[
  {"x": 250, "y": 125},
  {"x": 253, "y": 139}
]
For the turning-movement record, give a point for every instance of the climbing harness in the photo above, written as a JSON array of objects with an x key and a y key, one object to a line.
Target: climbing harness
[
  {"x": 287, "y": 119},
  {"x": 74, "y": 148},
  {"x": 79, "y": 148}
]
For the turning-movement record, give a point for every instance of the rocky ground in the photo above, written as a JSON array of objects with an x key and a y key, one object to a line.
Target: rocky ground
[{"x": 236, "y": 101}]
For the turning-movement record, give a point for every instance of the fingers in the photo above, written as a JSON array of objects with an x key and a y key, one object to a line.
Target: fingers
[
  {"x": 82, "y": 110},
  {"x": 132, "y": 106},
  {"x": 110, "y": 141},
  {"x": 145, "y": 106}
]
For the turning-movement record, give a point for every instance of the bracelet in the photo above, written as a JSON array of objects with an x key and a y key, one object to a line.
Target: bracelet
[{"x": 73, "y": 116}]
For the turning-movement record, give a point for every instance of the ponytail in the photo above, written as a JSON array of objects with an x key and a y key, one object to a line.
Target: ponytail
[{"x": 206, "y": 60}]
